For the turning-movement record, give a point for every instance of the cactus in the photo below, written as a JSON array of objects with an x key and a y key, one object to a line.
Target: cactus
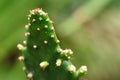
[{"x": 42, "y": 55}]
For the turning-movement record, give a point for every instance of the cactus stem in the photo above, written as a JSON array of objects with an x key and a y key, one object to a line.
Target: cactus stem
[
  {"x": 20, "y": 58},
  {"x": 45, "y": 42},
  {"x": 29, "y": 75},
  {"x": 51, "y": 62},
  {"x": 44, "y": 64},
  {"x": 58, "y": 62}
]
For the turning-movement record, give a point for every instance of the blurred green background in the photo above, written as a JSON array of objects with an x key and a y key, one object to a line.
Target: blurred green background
[{"x": 91, "y": 28}]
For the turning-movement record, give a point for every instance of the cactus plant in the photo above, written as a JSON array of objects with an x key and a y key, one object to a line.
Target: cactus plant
[{"x": 42, "y": 55}]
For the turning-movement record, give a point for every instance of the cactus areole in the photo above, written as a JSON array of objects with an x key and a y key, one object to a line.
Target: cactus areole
[{"x": 42, "y": 55}]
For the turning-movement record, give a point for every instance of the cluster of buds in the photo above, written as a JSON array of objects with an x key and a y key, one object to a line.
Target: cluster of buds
[{"x": 67, "y": 53}]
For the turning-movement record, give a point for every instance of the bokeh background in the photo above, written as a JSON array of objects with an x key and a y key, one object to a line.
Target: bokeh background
[{"x": 91, "y": 28}]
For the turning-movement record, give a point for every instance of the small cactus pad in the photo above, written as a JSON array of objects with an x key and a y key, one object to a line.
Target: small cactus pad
[{"x": 43, "y": 57}]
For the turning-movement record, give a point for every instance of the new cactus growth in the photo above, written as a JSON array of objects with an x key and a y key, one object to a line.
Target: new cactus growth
[{"x": 42, "y": 55}]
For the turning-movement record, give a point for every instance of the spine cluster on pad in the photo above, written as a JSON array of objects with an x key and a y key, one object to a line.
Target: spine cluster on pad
[{"x": 42, "y": 55}]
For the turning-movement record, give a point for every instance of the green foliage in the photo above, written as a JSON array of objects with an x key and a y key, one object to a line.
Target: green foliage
[{"x": 42, "y": 55}]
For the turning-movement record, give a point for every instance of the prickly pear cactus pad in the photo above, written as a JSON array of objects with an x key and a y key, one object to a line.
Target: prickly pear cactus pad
[{"x": 42, "y": 56}]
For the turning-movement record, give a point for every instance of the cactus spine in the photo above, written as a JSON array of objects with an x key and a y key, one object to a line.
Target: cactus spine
[{"x": 43, "y": 57}]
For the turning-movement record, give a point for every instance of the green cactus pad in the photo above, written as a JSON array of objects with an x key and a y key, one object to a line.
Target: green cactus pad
[{"x": 42, "y": 55}]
